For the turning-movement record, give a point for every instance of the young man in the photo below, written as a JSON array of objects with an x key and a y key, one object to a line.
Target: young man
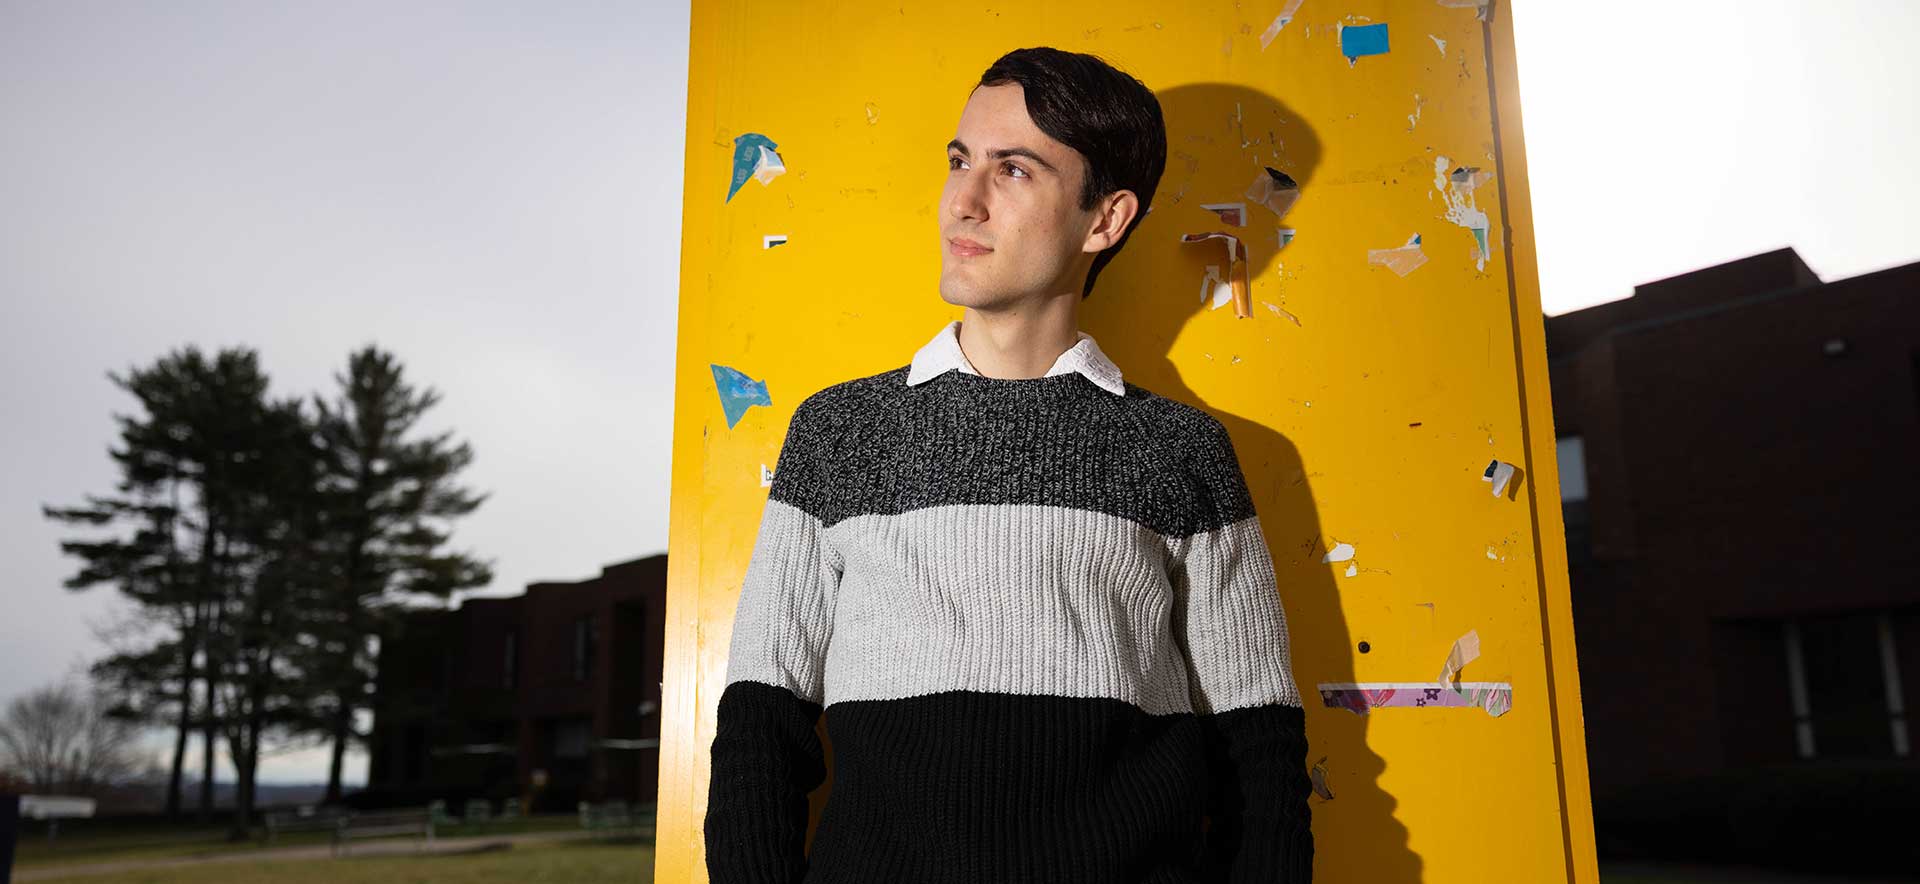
[{"x": 1031, "y": 599}]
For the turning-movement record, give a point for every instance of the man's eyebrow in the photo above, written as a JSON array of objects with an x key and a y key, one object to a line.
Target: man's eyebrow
[{"x": 1005, "y": 152}]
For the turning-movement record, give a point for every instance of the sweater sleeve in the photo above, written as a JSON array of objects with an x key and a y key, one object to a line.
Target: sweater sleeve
[
  {"x": 1229, "y": 619},
  {"x": 766, "y": 755}
]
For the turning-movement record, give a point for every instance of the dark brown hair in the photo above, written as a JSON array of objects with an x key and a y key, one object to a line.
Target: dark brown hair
[{"x": 1112, "y": 119}]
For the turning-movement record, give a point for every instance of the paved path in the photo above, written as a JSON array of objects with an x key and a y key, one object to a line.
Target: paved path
[
  {"x": 440, "y": 845},
  {"x": 1710, "y": 874}
]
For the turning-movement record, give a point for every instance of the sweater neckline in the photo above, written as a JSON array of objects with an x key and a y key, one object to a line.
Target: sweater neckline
[{"x": 1063, "y": 384}]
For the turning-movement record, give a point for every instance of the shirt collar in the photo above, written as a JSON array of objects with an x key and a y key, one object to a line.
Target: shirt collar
[{"x": 943, "y": 353}]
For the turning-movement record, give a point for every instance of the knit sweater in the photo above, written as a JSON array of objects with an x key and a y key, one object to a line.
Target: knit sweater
[{"x": 1041, "y": 623}]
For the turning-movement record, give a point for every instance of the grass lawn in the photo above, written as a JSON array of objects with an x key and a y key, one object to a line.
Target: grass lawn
[
  {"x": 77, "y": 842},
  {"x": 626, "y": 861}
]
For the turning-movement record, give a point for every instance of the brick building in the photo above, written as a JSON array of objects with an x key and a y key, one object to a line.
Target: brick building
[
  {"x": 564, "y": 679},
  {"x": 1740, "y": 460}
]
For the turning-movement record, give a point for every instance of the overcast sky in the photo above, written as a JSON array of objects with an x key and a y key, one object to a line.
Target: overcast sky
[{"x": 492, "y": 192}]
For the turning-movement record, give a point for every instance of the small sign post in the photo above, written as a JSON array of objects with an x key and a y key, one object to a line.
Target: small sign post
[{"x": 9, "y": 829}]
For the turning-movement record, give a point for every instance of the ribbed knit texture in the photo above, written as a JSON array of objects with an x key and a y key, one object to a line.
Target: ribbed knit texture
[{"x": 1041, "y": 622}]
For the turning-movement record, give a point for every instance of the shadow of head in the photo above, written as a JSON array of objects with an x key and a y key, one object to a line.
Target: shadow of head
[{"x": 1227, "y": 144}]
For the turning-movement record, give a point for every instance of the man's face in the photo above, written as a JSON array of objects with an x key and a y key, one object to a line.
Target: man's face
[{"x": 1015, "y": 191}]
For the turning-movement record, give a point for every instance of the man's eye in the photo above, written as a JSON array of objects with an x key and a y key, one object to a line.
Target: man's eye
[
  {"x": 1023, "y": 172},
  {"x": 953, "y": 162}
]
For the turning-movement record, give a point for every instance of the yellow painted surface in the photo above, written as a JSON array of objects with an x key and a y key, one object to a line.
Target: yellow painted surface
[{"x": 1367, "y": 422}]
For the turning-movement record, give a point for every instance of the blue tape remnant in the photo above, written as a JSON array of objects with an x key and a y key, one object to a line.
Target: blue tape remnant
[
  {"x": 737, "y": 391},
  {"x": 1355, "y": 41},
  {"x": 746, "y": 155}
]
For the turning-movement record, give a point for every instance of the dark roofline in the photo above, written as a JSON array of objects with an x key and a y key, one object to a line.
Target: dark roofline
[
  {"x": 1755, "y": 258},
  {"x": 1738, "y": 303}
]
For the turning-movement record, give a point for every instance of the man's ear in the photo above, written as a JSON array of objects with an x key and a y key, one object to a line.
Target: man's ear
[{"x": 1110, "y": 219}]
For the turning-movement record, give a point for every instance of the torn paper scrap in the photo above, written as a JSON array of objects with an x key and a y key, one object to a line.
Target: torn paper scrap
[
  {"x": 1469, "y": 178},
  {"x": 773, "y": 239},
  {"x": 1359, "y": 40},
  {"x": 1230, "y": 213},
  {"x": 1457, "y": 188},
  {"x": 1340, "y": 553},
  {"x": 1319, "y": 776},
  {"x": 1442, "y": 44},
  {"x": 1286, "y": 236},
  {"x": 1275, "y": 190},
  {"x": 766, "y": 476},
  {"x": 1281, "y": 311},
  {"x": 753, "y": 157},
  {"x": 1401, "y": 261},
  {"x": 1466, "y": 649},
  {"x": 737, "y": 392},
  {"x": 1353, "y": 570},
  {"x": 1499, "y": 472},
  {"x": 1496, "y": 697},
  {"x": 1214, "y": 288},
  {"x": 1279, "y": 21},
  {"x": 1236, "y": 271},
  {"x": 769, "y": 166},
  {"x": 1480, "y": 5}
]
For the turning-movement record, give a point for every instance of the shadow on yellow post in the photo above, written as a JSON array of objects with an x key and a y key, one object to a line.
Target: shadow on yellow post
[{"x": 1392, "y": 349}]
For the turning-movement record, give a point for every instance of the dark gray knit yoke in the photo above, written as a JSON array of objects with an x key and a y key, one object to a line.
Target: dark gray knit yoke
[{"x": 876, "y": 446}]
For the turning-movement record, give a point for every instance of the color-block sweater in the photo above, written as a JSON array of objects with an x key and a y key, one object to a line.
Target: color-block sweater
[{"x": 1042, "y": 625}]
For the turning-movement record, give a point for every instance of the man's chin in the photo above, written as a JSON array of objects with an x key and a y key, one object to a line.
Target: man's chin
[{"x": 961, "y": 292}]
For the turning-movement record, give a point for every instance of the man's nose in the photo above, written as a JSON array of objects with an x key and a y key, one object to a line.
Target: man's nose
[{"x": 968, "y": 199}]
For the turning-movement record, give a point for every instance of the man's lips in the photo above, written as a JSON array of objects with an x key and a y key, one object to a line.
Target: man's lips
[{"x": 965, "y": 247}]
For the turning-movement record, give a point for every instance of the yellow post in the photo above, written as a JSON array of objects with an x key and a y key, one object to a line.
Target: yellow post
[{"x": 1374, "y": 382}]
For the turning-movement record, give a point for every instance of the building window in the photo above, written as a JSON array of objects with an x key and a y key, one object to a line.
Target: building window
[
  {"x": 571, "y": 738},
  {"x": 1572, "y": 454},
  {"x": 1797, "y": 691},
  {"x": 1914, "y": 375},
  {"x": 1843, "y": 679},
  {"x": 582, "y": 647},
  {"x": 1896, "y": 704},
  {"x": 413, "y": 756},
  {"x": 510, "y": 660}
]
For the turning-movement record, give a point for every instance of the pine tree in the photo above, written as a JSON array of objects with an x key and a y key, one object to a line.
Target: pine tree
[
  {"x": 389, "y": 489},
  {"x": 205, "y": 473},
  {"x": 166, "y": 566},
  {"x": 278, "y": 578}
]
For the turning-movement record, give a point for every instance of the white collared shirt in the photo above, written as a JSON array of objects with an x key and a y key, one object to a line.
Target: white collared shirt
[{"x": 944, "y": 353}]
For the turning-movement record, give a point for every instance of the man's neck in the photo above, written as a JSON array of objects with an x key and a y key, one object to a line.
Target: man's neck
[{"x": 1019, "y": 344}]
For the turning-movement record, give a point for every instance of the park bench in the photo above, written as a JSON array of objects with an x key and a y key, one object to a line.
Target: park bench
[
  {"x": 308, "y": 820},
  {"x": 606, "y": 818},
  {"x": 418, "y": 823},
  {"x": 477, "y": 811}
]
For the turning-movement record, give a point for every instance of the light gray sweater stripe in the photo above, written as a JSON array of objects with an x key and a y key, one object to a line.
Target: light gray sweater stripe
[
  {"x": 1012, "y": 598},
  {"x": 1236, "y": 626},
  {"x": 784, "y": 619}
]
